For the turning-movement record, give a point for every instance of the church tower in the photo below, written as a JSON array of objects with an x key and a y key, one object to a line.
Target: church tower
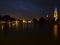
[{"x": 55, "y": 14}]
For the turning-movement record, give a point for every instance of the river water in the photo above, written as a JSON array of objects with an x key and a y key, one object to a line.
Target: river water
[{"x": 29, "y": 34}]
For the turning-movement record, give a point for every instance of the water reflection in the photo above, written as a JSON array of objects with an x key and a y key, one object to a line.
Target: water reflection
[
  {"x": 24, "y": 27},
  {"x": 56, "y": 31},
  {"x": 13, "y": 25},
  {"x": 44, "y": 29},
  {"x": 9, "y": 23},
  {"x": 2, "y": 27},
  {"x": 28, "y": 27},
  {"x": 17, "y": 24}
]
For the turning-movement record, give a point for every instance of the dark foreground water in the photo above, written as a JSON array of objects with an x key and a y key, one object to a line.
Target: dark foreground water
[{"x": 29, "y": 34}]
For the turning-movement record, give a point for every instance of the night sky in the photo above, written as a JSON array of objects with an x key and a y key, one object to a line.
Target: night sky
[{"x": 28, "y": 8}]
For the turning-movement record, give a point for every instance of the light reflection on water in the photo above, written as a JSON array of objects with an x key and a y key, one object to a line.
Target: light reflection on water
[
  {"x": 2, "y": 27},
  {"x": 27, "y": 27},
  {"x": 56, "y": 31},
  {"x": 9, "y": 24},
  {"x": 31, "y": 28},
  {"x": 17, "y": 24},
  {"x": 36, "y": 32}
]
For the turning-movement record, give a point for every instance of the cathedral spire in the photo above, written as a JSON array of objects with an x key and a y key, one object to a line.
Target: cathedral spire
[{"x": 55, "y": 14}]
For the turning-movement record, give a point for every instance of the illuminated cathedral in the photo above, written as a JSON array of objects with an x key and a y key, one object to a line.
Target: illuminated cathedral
[{"x": 55, "y": 14}]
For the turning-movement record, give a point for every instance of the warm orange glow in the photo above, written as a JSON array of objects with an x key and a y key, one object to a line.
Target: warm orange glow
[
  {"x": 2, "y": 27},
  {"x": 13, "y": 24},
  {"x": 55, "y": 30},
  {"x": 24, "y": 21},
  {"x": 17, "y": 23},
  {"x": 2, "y": 22}
]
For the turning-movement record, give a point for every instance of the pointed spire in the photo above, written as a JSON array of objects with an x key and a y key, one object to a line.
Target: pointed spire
[{"x": 55, "y": 14}]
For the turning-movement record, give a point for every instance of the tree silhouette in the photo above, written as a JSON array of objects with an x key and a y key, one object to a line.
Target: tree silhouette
[
  {"x": 7, "y": 18},
  {"x": 35, "y": 20},
  {"x": 42, "y": 20}
]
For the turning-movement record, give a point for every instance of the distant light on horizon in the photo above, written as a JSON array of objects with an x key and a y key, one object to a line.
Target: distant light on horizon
[
  {"x": 30, "y": 21},
  {"x": 13, "y": 24},
  {"x": 47, "y": 16},
  {"x": 24, "y": 21}
]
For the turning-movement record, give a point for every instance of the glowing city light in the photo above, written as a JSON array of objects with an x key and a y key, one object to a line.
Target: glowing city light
[
  {"x": 55, "y": 14},
  {"x": 47, "y": 15},
  {"x": 13, "y": 24},
  {"x": 24, "y": 21},
  {"x": 30, "y": 21}
]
